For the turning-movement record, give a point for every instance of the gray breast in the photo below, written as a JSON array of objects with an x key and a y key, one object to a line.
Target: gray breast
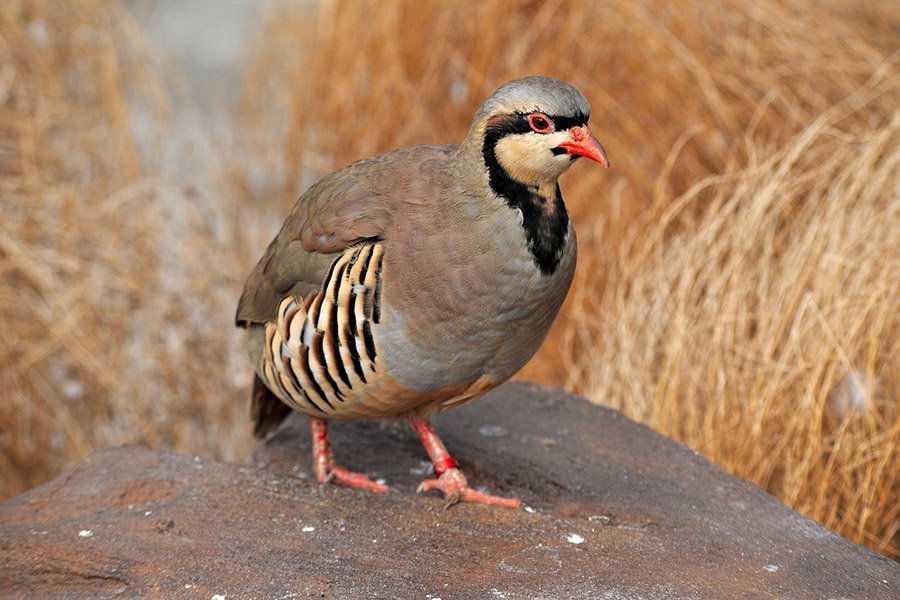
[{"x": 483, "y": 309}]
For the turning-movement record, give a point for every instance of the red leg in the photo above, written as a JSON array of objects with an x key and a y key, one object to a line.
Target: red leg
[
  {"x": 450, "y": 480},
  {"x": 325, "y": 467}
]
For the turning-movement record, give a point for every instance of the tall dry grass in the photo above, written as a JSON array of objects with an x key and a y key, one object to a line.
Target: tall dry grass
[
  {"x": 765, "y": 334},
  {"x": 737, "y": 284},
  {"x": 116, "y": 281}
]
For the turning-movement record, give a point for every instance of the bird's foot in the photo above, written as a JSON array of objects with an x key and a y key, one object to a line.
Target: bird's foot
[
  {"x": 326, "y": 468},
  {"x": 339, "y": 475},
  {"x": 453, "y": 484}
]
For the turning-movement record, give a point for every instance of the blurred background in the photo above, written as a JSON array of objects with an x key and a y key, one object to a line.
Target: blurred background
[{"x": 738, "y": 284}]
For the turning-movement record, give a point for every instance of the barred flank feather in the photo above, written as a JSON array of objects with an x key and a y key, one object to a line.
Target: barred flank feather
[{"x": 321, "y": 348}]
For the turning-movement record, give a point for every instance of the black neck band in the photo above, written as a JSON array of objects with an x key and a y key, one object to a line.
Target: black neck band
[{"x": 545, "y": 220}]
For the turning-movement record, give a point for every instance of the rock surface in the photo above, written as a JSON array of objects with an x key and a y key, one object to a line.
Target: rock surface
[{"x": 619, "y": 512}]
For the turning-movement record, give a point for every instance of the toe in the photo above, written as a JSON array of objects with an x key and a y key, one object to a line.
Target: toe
[
  {"x": 470, "y": 495},
  {"x": 347, "y": 478}
]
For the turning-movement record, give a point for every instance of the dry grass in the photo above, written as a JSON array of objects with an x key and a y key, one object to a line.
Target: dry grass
[
  {"x": 765, "y": 334},
  {"x": 737, "y": 285},
  {"x": 116, "y": 282}
]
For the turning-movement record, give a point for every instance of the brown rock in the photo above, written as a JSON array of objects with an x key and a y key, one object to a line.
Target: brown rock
[{"x": 621, "y": 512}]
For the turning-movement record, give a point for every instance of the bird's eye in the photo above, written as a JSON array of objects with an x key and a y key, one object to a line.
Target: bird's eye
[{"x": 540, "y": 123}]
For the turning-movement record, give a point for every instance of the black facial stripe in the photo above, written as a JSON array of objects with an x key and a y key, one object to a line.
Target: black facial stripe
[
  {"x": 558, "y": 150},
  {"x": 545, "y": 230},
  {"x": 505, "y": 125},
  {"x": 560, "y": 123},
  {"x": 564, "y": 123}
]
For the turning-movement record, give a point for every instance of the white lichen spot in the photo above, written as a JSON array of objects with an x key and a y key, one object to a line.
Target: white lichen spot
[
  {"x": 85, "y": 533},
  {"x": 771, "y": 568},
  {"x": 148, "y": 513},
  {"x": 425, "y": 468},
  {"x": 308, "y": 528},
  {"x": 492, "y": 430},
  {"x": 218, "y": 597},
  {"x": 574, "y": 538},
  {"x": 528, "y": 509}
]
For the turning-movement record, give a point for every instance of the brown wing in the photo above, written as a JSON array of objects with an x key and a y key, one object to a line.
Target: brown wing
[{"x": 355, "y": 203}]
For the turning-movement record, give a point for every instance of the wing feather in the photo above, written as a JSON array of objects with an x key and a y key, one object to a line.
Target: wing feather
[{"x": 356, "y": 203}]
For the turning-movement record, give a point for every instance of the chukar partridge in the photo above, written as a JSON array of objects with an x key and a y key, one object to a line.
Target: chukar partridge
[{"x": 414, "y": 281}]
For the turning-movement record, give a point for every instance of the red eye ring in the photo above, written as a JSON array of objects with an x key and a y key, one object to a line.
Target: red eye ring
[{"x": 540, "y": 123}]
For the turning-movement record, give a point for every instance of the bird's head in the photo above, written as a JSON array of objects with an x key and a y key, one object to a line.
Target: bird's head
[{"x": 532, "y": 129}]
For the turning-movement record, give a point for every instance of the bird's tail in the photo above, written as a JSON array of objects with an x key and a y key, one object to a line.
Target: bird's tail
[{"x": 266, "y": 410}]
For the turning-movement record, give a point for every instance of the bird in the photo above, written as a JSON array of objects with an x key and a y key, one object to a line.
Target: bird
[{"x": 414, "y": 281}]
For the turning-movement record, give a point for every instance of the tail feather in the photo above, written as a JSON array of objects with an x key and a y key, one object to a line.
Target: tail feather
[{"x": 266, "y": 410}]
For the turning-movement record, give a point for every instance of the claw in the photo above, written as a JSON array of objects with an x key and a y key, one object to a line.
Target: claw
[{"x": 455, "y": 488}]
